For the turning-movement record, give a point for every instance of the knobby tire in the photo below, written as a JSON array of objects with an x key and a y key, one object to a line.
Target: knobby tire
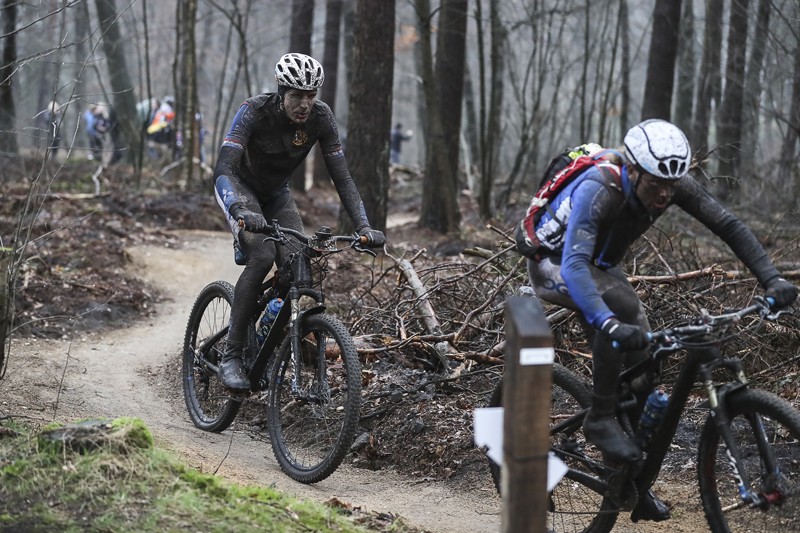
[
  {"x": 311, "y": 432},
  {"x": 210, "y": 405},
  {"x": 722, "y": 505}
]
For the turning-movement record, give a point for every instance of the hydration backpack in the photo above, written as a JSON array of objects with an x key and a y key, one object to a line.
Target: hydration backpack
[{"x": 561, "y": 171}]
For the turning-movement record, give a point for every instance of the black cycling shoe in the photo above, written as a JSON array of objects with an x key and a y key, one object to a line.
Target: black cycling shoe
[
  {"x": 231, "y": 374},
  {"x": 651, "y": 508},
  {"x": 606, "y": 433}
]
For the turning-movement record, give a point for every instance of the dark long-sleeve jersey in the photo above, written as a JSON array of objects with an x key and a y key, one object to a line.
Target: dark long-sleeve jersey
[
  {"x": 604, "y": 218},
  {"x": 263, "y": 147}
]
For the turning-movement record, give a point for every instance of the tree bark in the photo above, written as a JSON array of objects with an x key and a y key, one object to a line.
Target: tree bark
[
  {"x": 490, "y": 152},
  {"x": 440, "y": 211},
  {"x": 752, "y": 89},
  {"x": 729, "y": 118},
  {"x": 661, "y": 60},
  {"x": 8, "y": 61},
  {"x": 684, "y": 93},
  {"x": 300, "y": 42},
  {"x": 330, "y": 63},
  {"x": 370, "y": 109},
  {"x": 124, "y": 100},
  {"x": 788, "y": 158},
  {"x": 709, "y": 81},
  {"x": 187, "y": 104}
]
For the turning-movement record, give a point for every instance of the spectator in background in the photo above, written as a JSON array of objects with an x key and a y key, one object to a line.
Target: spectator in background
[
  {"x": 97, "y": 122},
  {"x": 50, "y": 120},
  {"x": 396, "y": 139}
]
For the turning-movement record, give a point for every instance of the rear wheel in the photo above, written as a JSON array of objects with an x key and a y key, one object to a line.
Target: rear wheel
[
  {"x": 576, "y": 504},
  {"x": 313, "y": 410},
  {"x": 211, "y": 406},
  {"x": 766, "y": 430}
]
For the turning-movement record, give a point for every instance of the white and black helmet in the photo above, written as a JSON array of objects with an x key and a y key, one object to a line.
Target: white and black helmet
[
  {"x": 659, "y": 148},
  {"x": 299, "y": 71}
]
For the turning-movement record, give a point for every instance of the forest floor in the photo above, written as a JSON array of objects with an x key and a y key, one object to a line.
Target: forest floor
[{"x": 103, "y": 299}]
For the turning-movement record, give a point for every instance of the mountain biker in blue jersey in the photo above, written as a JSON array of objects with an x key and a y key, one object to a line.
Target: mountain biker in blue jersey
[
  {"x": 271, "y": 134},
  {"x": 592, "y": 224}
]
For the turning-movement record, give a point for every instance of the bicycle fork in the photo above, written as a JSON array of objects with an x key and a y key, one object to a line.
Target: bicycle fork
[
  {"x": 318, "y": 393},
  {"x": 717, "y": 399}
]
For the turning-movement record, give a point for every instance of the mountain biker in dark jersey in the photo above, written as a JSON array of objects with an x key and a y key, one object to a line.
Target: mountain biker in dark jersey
[
  {"x": 271, "y": 135},
  {"x": 592, "y": 224}
]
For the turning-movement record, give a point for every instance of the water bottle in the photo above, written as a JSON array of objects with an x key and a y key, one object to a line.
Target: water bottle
[
  {"x": 267, "y": 319},
  {"x": 651, "y": 417}
]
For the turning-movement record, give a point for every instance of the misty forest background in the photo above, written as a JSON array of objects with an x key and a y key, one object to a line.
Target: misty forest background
[{"x": 492, "y": 89}]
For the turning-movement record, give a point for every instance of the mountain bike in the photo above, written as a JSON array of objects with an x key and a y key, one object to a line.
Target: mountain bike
[
  {"x": 748, "y": 463},
  {"x": 307, "y": 365}
]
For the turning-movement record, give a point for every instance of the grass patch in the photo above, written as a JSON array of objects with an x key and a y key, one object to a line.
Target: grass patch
[{"x": 108, "y": 476}]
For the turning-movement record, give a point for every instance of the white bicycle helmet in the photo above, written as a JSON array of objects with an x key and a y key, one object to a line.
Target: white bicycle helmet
[
  {"x": 659, "y": 148},
  {"x": 299, "y": 71}
]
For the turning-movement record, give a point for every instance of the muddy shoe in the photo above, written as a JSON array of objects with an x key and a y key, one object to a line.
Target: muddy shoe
[
  {"x": 231, "y": 374},
  {"x": 651, "y": 508},
  {"x": 602, "y": 429}
]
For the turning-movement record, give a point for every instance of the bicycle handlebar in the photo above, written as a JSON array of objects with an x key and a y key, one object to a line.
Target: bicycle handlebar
[
  {"x": 671, "y": 338},
  {"x": 322, "y": 238}
]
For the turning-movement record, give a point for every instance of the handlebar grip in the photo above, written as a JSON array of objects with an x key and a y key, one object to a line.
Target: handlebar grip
[
  {"x": 363, "y": 240},
  {"x": 770, "y": 301},
  {"x": 650, "y": 337}
]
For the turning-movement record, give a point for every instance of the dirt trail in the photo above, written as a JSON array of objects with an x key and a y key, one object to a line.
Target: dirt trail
[
  {"x": 122, "y": 373},
  {"x": 106, "y": 376}
]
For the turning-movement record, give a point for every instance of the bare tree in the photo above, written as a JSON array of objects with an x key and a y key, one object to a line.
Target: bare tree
[
  {"x": 439, "y": 210},
  {"x": 729, "y": 117},
  {"x": 300, "y": 41},
  {"x": 8, "y": 60},
  {"x": 330, "y": 63},
  {"x": 684, "y": 93},
  {"x": 491, "y": 117},
  {"x": 789, "y": 161},
  {"x": 186, "y": 89},
  {"x": 124, "y": 100},
  {"x": 661, "y": 59},
  {"x": 709, "y": 82},
  {"x": 753, "y": 88},
  {"x": 370, "y": 108}
]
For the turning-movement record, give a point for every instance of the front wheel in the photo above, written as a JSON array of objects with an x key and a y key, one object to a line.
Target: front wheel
[
  {"x": 314, "y": 400},
  {"x": 766, "y": 430},
  {"x": 210, "y": 405}
]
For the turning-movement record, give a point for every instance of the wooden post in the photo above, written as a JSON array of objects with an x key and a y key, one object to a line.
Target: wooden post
[{"x": 527, "y": 391}]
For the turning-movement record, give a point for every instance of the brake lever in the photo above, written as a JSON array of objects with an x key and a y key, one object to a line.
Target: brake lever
[{"x": 363, "y": 249}]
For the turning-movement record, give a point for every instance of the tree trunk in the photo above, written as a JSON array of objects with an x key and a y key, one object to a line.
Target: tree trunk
[
  {"x": 439, "y": 210},
  {"x": 752, "y": 90},
  {"x": 625, "y": 88},
  {"x": 186, "y": 116},
  {"x": 729, "y": 118},
  {"x": 124, "y": 100},
  {"x": 709, "y": 81},
  {"x": 300, "y": 42},
  {"x": 684, "y": 93},
  {"x": 490, "y": 154},
  {"x": 330, "y": 63},
  {"x": 8, "y": 60},
  {"x": 788, "y": 158},
  {"x": 661, "y": 60},
  {"x": 370, "y": 109}
]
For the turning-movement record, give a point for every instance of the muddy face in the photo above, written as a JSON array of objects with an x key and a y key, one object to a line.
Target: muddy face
[{"x": 297, "y": 104}]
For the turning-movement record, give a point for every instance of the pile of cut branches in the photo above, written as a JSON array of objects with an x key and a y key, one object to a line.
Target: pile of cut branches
[{"x": 449, "y": 315}]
